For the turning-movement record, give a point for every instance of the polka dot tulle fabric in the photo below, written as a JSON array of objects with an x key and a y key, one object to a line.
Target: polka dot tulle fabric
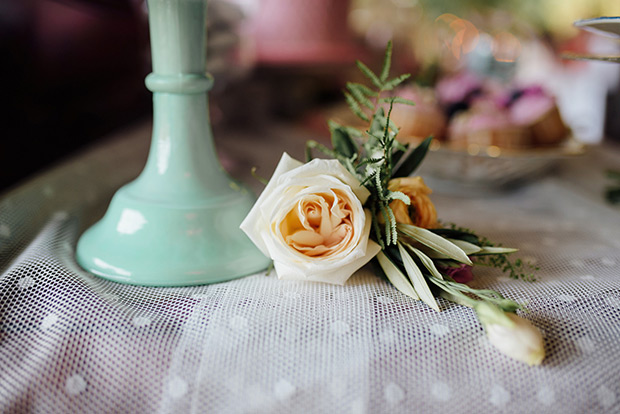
[{"x": 71, "y": 342}]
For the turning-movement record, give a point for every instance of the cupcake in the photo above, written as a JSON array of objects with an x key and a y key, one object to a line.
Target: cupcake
[
  {"x": 419, "y": 121},
  {"x": 456, "y": 93},
  {"x": 534, "y": 109},
  {"x": 487, "y": 125}
]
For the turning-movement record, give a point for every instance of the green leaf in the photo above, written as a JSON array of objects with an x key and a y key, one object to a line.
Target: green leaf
[
  {"x": 435, "y": 255},
  {"x": 399, "y": 152},
  {"x": 496, "y": 250},
  {"x": 369, "y": 74},
  {"x": 409, "y": 165},
  {"x": 457, "y": 234},
  {"x": 426, "y": 261},
  {"x": 396, "y": 156},
  {"x": 403, "y": 101},
  {"x": 375, "y": 135},
  {"x": 364, "y": 89},
  {"x": 467, "y": 247},
  {"x": 389, "y": 85},
  {"x": 387, "y": 61},
  {"x": 614, "y": 175},
  {"x": 396, "y": 277},
  {"x": 458, "y": 299},
  {"x": 435, "y": 242},
  {"x": 612, "y": 195},
  {"x": 359, "y": 95},
  {"x": 353, "y": 132},
  {"x": 355, "y": 107},
  {"x": 445, "y": 262},
  {"x": 397, "y": 99},
  {"x": 341, "y": 141},
  {"x": 311, "y": 144},
  {"x": 417, "y": 279},
  {"x": 375, "y": 125}
]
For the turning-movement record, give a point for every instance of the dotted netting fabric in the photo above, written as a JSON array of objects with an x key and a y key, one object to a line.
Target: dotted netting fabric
[{"x": 70, "y": 341}]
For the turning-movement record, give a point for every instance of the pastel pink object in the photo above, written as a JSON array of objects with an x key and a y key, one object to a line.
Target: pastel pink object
[
  {"x": 530, "y": 108},
  {"x": 457, "y": 88}
]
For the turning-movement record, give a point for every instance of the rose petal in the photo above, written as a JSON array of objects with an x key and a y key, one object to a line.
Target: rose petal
[
  {"x": 327, "y": 168},
  {"x": 336, "y": 272}
]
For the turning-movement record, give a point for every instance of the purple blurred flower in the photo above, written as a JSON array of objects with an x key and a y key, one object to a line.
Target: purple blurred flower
[{"x": 460, "y": 274}]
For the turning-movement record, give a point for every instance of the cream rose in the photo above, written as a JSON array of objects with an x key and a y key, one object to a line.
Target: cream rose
[{"x": 310, "y": 220}]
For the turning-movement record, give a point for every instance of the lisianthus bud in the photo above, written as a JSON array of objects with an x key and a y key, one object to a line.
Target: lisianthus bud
[
  {"x": 421, "y": 210},
  {"x": 461, "y": 273},
  {"x": 512, "y": 335}
]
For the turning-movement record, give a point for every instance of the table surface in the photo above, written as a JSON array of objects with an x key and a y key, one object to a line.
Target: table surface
[{"x": 69, "y": 340}]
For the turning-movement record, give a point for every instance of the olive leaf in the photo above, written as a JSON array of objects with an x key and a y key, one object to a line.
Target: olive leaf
[
  {"x": 435, "y": 242},
  {"x": 341, "y": 140},
  {"x": 417, "y": 279},
  {"x": 411, "y": 162},
  {"x": 396, "y": 277},
  {"x": 426, "y": 261}
]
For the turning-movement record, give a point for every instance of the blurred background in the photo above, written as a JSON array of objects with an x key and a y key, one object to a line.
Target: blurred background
[{"x": 74, "y": 69}]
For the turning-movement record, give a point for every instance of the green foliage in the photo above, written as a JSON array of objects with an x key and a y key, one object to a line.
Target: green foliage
[
  {"x": 412, "y": 258},
  {"x": 369, "y": 74},
  {"x": 612, "y": 192},
  {"x": 413, "y": 161},
  {"x": 341, "y": 140},
  {"x": 355, "y": 107},
  {"x": 387, "y": 62},
  {"x": 389, "y": 85},
  {"x": 372, "y": 154},
  {"x": 422, "y": 275},
  {"x": 517, "y": 269},
  {"x": 453, "y": 233}
]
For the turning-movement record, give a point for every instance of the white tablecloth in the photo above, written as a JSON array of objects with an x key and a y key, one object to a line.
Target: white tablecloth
[{"x": 70, "y": 341}]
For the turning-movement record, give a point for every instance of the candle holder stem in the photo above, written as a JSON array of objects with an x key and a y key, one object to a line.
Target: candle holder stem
[{"x": 177, "y": 224}]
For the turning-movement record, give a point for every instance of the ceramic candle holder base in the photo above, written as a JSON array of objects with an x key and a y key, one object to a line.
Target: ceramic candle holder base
[
  {"x": 166, "y": 244},
  {"x": 178, "y": 223}
]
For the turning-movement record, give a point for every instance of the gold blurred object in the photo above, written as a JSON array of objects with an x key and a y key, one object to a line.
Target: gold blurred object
[{"x": 601, "y": 58}]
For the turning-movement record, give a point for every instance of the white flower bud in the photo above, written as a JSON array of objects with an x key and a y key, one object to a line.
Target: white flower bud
[{"x": 512, "y": 335}]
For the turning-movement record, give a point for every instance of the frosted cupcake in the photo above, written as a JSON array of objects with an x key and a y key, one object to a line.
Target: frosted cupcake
[
  {"x": 419, "y": 121},
  {"x": 486, "y": 125},
  {"x": 456, "y": 93},
  {"x": 534, "y": 109}
]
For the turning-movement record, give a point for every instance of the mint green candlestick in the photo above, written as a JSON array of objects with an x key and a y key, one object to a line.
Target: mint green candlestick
[{"x": 177, "y": 224}]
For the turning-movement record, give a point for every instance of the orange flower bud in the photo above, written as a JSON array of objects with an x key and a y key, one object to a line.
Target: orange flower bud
[{"x": 421, "y": 211}]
